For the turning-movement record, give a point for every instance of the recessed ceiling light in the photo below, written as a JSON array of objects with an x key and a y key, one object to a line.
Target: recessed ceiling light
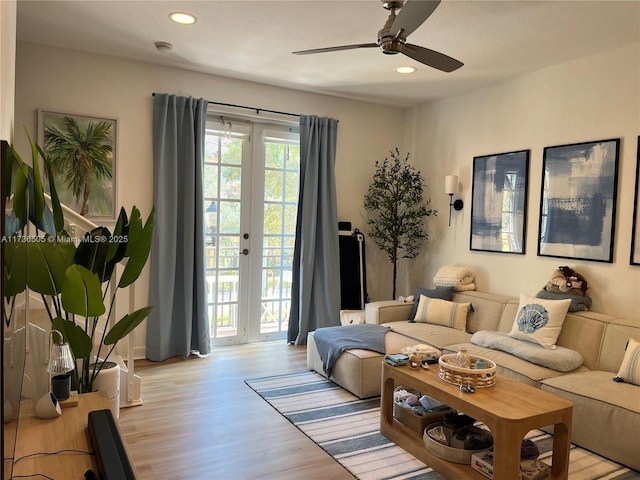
[
  {"x": 406, "y": 69},
  {"x": 182, "y": 18}
]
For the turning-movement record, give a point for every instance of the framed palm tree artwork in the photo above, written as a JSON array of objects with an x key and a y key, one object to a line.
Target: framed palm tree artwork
[{"x": 82, "y": 150}]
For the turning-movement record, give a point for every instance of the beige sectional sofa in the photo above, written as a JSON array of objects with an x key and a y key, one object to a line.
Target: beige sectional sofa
[{"x": 606, "y": 416}]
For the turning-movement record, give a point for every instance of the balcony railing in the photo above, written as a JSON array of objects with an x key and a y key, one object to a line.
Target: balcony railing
[{"x": 222, "y": 291}]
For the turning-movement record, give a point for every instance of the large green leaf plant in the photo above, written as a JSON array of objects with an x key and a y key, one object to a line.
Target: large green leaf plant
[{"x": 74, "y": 279}]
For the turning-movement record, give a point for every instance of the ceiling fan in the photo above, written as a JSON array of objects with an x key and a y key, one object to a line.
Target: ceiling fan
[{"x": 392, "y": 38}]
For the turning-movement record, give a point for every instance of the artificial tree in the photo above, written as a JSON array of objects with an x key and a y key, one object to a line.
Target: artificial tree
[{"x": 396, "y": 209}]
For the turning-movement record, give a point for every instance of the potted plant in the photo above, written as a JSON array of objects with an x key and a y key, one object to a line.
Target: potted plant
[
  {"x": 396, "y": 208},
  {"x": 74, "y": 280}
]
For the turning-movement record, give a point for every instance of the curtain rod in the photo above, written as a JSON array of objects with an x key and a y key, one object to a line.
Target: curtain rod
[{"x": 256, "y": 109}]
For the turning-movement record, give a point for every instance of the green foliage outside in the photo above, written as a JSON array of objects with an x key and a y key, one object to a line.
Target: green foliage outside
[{"x": 396, "y": 209}]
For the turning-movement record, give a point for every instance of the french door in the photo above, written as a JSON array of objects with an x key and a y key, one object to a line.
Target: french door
[{"x": 251, "y": 175}]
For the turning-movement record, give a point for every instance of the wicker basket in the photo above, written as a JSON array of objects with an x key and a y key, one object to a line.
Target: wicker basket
[
  {"x": 478, "y": 377},
  {"x": 408, "y": 417},
  {"x": 456, "y": 455}
]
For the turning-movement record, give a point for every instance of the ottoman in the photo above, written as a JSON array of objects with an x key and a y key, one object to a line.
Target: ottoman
[{"x": 357, "y": 370}]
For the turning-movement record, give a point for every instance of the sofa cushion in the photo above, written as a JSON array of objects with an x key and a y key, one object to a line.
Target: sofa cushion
[
  {"x": 488, "y": 310},
  {"x": 356, "y": 370},
  {"x": 616, "y": 335},
  {"x": 377, "y": 313},
  {"x": 434, "y": 335},
  {"x": 630, "y": 368},
  {"x": 583, "y": 332},
  {"x": 442, "y": 293},
  {"x": 442, "y": 312},
  {"x": 606, "y": 414},
  {"x": 560, "y": 358},
  {"x": 539, "y": 321},
  {"x": 598, "y": 386}
]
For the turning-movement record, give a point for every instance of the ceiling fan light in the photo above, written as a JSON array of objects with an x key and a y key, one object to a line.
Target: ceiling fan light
[
  {"x": 406, "y": 69},
  {"x": 182, "y": 18}
]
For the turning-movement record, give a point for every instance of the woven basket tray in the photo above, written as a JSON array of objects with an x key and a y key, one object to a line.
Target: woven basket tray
[
  {"x": 445, "y": 452},
  {"x": 479, "y": 378}
]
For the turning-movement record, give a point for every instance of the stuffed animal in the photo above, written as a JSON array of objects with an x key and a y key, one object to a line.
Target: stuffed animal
[{"x": 566, "y": 280}]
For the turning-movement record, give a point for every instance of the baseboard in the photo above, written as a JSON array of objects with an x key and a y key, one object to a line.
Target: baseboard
[{"x": 139, "y": 352}]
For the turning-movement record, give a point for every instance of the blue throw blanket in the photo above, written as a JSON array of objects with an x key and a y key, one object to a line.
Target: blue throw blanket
[
  {"x": 579, "y": 303},
  {"x": 332, "y": 341}
]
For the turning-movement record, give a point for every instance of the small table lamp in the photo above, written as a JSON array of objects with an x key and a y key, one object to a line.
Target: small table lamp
[{"x": 60, "y": 364}]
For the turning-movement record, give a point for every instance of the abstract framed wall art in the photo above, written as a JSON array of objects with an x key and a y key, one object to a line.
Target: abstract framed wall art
[
  {"x": 499, "y": 202},
  {"x": 82, "y": 150},
  {"x": 578, "y": 200},
  {"x": 635, "y": 228}
]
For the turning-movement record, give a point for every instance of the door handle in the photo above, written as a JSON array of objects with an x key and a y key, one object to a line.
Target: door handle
[{"x": 245, "y": 252}]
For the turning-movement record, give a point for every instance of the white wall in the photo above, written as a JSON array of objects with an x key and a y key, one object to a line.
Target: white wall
[
  {"x": 7, "y": 67},
  {"x": 68, "y": 81},
  {"x": 592, "y": 98}
]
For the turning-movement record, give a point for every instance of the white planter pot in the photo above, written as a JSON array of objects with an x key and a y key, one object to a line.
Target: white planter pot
[{"x": 108, "y": 381}]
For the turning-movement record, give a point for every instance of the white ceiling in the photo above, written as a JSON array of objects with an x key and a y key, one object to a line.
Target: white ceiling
[{"x": 253, "y": 40}]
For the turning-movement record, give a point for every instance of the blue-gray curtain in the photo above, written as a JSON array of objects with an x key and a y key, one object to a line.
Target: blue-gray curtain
[
  {"x": 315, "y": 291},
  {"x": 178, "y": 324}
]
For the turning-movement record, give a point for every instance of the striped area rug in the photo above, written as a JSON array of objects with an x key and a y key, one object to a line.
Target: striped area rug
[{"x": 347, "y": 428}]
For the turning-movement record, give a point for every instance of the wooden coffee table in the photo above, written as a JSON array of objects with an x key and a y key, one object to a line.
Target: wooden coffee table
[{"x": 510, "y": 409}]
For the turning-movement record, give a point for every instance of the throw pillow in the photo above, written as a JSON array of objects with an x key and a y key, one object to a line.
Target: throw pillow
[
  {"x": 539, "y": 321},
  {"x": 630, "y": 368},
  {"x": 441, "y": 293},
  {"x": 442, "y": 312}
]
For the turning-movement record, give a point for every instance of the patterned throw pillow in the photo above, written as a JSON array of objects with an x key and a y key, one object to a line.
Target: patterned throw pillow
[
  {"x": 630, "y": 368},
  {"x": 442, "y": 312},
  {"x": 539, "y": 321}
]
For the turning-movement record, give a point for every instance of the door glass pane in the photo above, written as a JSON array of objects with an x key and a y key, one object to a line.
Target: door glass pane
[
  {"x": 279, "y": 228},
  {"x": 229, "y": 217},
  {"x": 228, "y": 253},
  {"x": 222, "y": 190},
  {"x": 273, "y": 185},
  {"x": 231, "y": 150},
  {"x": 273, "y": 157},
  {"x": 230, "y": 186}
]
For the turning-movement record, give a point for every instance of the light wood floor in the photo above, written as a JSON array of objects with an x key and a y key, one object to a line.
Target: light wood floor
[{"x": 199, "y": 420}]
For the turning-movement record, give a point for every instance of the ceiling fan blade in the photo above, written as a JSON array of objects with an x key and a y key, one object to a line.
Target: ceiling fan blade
[
  {"x": 431, "y": 58},
  {"x": 412, "y": 15},
  {"x": 335, "y": 49}
]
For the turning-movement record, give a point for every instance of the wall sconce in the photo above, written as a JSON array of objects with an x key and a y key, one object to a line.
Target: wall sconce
[{"x": 451, "y": 187}]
